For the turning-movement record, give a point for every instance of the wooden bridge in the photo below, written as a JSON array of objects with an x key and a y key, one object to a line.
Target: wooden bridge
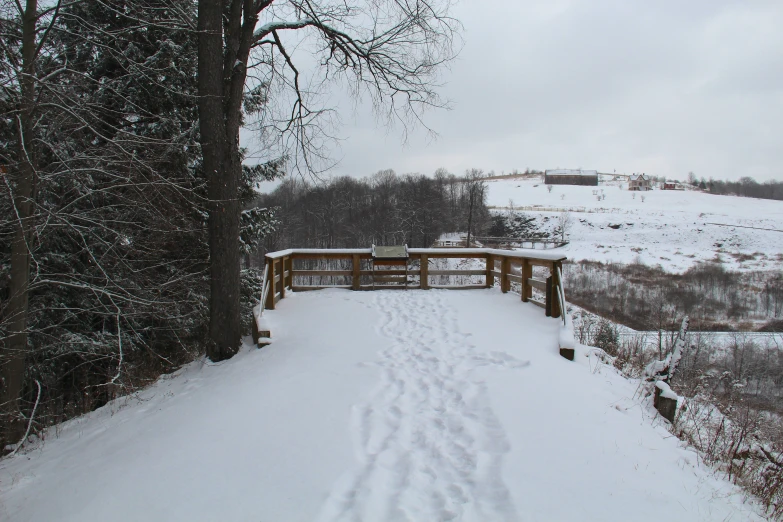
[
  {"x": 493, "y": 242},
  {"x": 533, "y": 242},
  {"x": 534, "y": 274}
]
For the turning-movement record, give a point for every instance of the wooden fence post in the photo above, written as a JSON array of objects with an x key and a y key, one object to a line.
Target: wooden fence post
[
  {"x": 505, "y": 266},
  {"x": 490, "y": 277},
  {"x": 282, "y": 277},
  {"x": 356, "y": 278},
  {"x": 270, "y": 297},
  {"x": 555, "y": 291},
  {"x": 424, "y": 272},
  {"x": 549, "y": 296},
  {"x": 526, "y": 271},
  {"x": 290, "y": 279},
  {"x": 667, "y": 407}
]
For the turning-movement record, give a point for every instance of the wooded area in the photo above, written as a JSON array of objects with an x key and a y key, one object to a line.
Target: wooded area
[
  {"x": 745, "y": 186},
  {"x": 123, "y": 184},
  {"x": 383, "y": 209},
  {"x": 111, "y": 226},
  {"x": 648, "y": 298}
]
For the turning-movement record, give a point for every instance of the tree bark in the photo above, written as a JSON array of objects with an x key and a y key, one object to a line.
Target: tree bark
[
  {"x": 222, "y": 171},
  {"x": 13, "y": 360}
]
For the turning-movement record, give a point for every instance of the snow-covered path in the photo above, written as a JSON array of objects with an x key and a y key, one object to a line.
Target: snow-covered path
[
  {"x": 429, "y": 445},
  {"x": 375, "y": 406}
]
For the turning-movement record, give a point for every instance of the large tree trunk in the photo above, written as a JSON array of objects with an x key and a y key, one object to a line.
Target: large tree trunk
[
  {"x": 227, "y": 31},
  {"x": 13, "y": 358},
  {"x": 222, "y": 171}
]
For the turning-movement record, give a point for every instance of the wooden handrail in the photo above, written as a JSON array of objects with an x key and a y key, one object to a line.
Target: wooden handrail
[{"x": 515, "y": 267}]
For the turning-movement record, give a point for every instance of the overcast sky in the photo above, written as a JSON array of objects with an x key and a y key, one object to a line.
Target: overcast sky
[{"x": 662, "y": 87}]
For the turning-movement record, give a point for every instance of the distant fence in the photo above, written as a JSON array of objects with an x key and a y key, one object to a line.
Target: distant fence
[
  {"x": 494, "y": 242},
  {"x": 450, "y": 243},
  {"x": 706, "y": 333},
  {"x": 540, "y": 208}
]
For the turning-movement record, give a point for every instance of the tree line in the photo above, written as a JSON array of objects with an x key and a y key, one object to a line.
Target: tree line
[
  {"x": 745, "y": 186},
  {"x": 125, "y": 200},
  {"x": 648, "y": 298},
  {"x": 382, "y": 209}
]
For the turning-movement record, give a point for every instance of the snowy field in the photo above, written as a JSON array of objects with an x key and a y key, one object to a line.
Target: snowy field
[
  {"x": 374, "y": 406},
  {"x": 670, "y": 228}
]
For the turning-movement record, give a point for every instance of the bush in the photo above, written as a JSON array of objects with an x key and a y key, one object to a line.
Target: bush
[{"x": 607, "y": 337}]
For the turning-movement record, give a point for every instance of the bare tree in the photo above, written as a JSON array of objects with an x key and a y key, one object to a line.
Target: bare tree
[
  {"x": 382, "y": 209},
  {"x": 475, "y": 186},
  {"x": 388, "y": 49},
  {"x": 564, "y": 222}
]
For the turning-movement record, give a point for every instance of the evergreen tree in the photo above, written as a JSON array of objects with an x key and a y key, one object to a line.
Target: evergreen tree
[{"x": 119, "y": 288}]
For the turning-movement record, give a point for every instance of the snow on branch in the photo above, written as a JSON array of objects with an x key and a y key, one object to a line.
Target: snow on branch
[{"x": 664, "y": 370}]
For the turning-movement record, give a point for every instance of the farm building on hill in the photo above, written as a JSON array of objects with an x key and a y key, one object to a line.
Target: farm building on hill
[
  {"x": 639, "y": 182},
  {"x": 571, "y": 177}
]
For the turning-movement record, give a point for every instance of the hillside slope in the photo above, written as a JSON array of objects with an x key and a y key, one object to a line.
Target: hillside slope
[
  {"x": 418, "y": 405},
  {"x": 674, "y": 229}
]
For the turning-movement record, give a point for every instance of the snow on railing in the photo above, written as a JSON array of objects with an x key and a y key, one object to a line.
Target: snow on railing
[
  {"x": 258, "y": 310},
  {"x": 528, "y": 253},
  {"x": 264, "y": 290},
  {"x": 567, "y": 339}
]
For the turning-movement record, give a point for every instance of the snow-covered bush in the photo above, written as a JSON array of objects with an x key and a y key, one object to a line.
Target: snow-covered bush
[
  {"x": 739, "y": 440},
  {"x": 606, "y": 337},
  {"x": 665, "y": 369}
]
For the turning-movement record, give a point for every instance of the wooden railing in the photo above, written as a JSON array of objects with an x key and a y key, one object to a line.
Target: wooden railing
[
  {"x": 512, "y": 271},
  {"x": 503, "y": 267}
]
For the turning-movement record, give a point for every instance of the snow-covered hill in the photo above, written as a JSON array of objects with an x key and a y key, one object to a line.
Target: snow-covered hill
[
  {"x": 374, "y": 406},
  {"x": 670, "y": 228}
]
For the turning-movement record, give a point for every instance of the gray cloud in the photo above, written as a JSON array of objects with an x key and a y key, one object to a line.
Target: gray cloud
[{"x": 662, "y": 87}]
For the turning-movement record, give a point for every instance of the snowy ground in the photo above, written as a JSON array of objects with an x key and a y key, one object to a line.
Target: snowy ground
[
  {"x": 669, "y": 228},
  {"x": 372, "y": 406}
]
